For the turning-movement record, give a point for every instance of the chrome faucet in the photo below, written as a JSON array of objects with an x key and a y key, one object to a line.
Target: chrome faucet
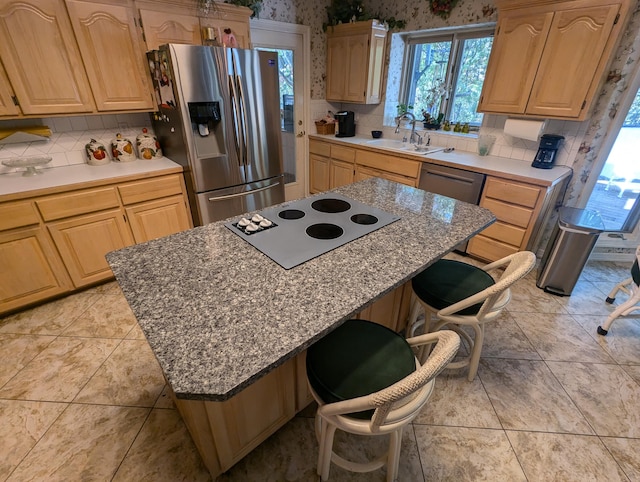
[{"x": 412, "y": 118}]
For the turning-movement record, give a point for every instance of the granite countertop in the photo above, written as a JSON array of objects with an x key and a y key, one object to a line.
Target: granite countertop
[
  {"x": 513, "y": 169},
  {"x": 65, "y": 176},
  {"x": 219, "y": 314}
]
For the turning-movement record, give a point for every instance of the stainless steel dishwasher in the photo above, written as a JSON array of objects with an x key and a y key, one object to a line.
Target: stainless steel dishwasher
[{"x": 452, "y": 182}]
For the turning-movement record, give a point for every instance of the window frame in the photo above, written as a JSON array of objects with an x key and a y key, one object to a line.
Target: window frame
[{"x": 456, "y": 35}]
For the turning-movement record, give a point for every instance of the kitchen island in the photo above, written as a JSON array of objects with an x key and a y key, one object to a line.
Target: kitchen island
[{"x": 229, "y": 326}]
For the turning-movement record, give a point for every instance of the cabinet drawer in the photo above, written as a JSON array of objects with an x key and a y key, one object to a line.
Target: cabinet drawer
[
  {"x": 396, "y": 165},
  {"x": 78, "y": 202},
  {"x": 506, "y": 233},
  {"x": 320, "y": 148},
  {"x": 135, "y": 192},
  {"x": 489, "y": 249},
  {"x": 366, "y": 173},
  {"x": 508, "y": 213},
  {"x": 16, "y": 214},
  {"x": 343, "y": 153},
  {"x": 514, "y": 193}
]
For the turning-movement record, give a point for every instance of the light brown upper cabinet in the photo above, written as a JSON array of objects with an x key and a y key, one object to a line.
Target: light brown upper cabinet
[
  {"x": 549, "y": 59},
  {"x": 229, "y": 20},
  {"x": 355, "y": 62},
  {"x": 42, "y": 59},
  {"x": 113, "y": 54},
  {"x": 161, "y": 27}
]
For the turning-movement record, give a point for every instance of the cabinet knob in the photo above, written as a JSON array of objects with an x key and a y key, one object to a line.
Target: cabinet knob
[{"x": 301, "y": 134}]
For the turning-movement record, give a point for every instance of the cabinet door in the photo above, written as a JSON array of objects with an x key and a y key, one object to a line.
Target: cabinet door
[
  {"x": 83, "y": 242},
  {"x": 376, "y": 67},
  {"x": 113, "y": 55},
  {"x": 516, "y": 52},
  {"x": 161, "y": 28},
  {"x": 336, "y": 67},
  {"x": 224, "y": 432},
  {"x": 356, "y": 68},
  {"x": 41, "y": 57},
  {"x": 341, "y": 173},
  {"x": 226, "y": 30},
  {"x": 7, "y": 106},
  {"x": 319, "y": 176},
  {"x": 36, "y": 270},
  {"x": 385, "y": 311},
  {"x": 569, "y": 65},
  {"x": 156, "y": 219}
]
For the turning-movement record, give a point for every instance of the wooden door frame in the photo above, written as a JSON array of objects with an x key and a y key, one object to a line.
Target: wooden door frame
[{"x": 302, "y": 114}]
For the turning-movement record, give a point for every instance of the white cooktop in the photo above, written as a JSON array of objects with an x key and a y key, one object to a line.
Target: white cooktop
[{"x": 298, "y": 231}]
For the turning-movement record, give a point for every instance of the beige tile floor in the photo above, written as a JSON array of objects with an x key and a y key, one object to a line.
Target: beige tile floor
[{"x": 82, "y": 398}]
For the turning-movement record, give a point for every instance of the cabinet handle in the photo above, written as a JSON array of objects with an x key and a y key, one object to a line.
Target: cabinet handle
[{"x": 15, "y": 100}]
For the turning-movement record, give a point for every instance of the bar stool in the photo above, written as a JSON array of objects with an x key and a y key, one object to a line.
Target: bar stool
[
  {"x": 453, "y": 294},
  {"x": 367, "y": 381},
  {"x": 629, "y": 286}
]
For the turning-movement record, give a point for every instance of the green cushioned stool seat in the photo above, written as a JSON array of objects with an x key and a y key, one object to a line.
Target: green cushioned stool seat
[
  {"x": 447, "y": 281},
  {"x": 356, "y": 359}
]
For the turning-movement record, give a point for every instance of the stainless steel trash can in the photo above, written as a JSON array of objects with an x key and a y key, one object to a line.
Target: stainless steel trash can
[{"x": 569, "y": 248}]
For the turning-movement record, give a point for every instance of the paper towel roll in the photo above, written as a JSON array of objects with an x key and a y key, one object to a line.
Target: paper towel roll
[{"x": 524, "y": 129}]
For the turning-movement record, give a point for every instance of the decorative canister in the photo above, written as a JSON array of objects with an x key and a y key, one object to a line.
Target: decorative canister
[
  {"x": 122, "y": 149},
  {"x": 148, "y": 146},
  {"x": 96, "y": 153}
]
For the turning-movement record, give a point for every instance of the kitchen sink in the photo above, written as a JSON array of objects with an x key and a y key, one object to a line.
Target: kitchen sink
[
  {"x": 390, "y": 144},
  {"x": 403, "y": 146}
]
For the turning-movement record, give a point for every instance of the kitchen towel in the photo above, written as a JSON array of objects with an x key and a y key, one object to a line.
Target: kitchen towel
[{"x": 524, "y": 129}]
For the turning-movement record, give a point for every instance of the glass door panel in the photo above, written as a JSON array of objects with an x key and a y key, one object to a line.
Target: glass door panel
[{"x": 615, "y": 195}]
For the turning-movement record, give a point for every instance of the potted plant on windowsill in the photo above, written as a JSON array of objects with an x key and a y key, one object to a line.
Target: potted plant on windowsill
[
  {"x": 431, "y": 122},
  {"x": 434, "y": 97}
]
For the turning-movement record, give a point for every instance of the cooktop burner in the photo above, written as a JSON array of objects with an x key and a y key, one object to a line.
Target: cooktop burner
[
  {"x": 330, "y": 205},
  {"x": 324, "y": 231},
  {"x": 296, "y": 232}
]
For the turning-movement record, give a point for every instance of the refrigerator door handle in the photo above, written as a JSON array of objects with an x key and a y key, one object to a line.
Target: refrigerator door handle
[
  {"x": 241, "y": 194},
  {"x": 234, "y": 119},
  {"x": 243, "y": 117}
]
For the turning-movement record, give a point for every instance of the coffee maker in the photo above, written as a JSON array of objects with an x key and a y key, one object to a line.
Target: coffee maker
[
  {"x": 546, "y": 156},
  {"x": 346, "y": 124}
]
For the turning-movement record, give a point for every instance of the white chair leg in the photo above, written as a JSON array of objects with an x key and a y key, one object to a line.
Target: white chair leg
[
  {"x": 326, "y": 447},
  {"x": 474, "y": 359},
  {"x": 620, "y": 286},
  {"x": 624, "y": 309},
  {"x": 393, "y": 460},
  {"x": 414, "y": 313}
]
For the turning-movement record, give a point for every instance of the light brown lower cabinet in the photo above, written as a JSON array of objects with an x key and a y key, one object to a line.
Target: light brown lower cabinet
[
  {"x": 224, "y": 432},
  {"x": 332, "y": 165},
  {"x": 55, "y": 243},
  {"x": 341, "y": 173},
  {"x": 83, "y": 242},
  {"x": 392, "y": 310},
  {"x": 519, "y": 208},
  {"x": 30, "y": 266}
]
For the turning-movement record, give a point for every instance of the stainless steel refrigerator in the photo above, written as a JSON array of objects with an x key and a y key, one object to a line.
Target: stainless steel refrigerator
[{"x": 219, "y": 117}]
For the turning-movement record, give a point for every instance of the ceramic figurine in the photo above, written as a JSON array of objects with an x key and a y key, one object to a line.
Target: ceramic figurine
[
  {"x": 148, "y": 146},
  {"x": 122, "y": 149},
  {"x": 96, "y": 153}
]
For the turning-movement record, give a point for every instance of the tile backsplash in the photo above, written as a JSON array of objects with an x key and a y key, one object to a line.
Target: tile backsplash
[{"x": 66, "y": 146}]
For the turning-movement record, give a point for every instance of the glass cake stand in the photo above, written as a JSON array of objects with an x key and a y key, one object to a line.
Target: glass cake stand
[{"x": 30, "y": 163}]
